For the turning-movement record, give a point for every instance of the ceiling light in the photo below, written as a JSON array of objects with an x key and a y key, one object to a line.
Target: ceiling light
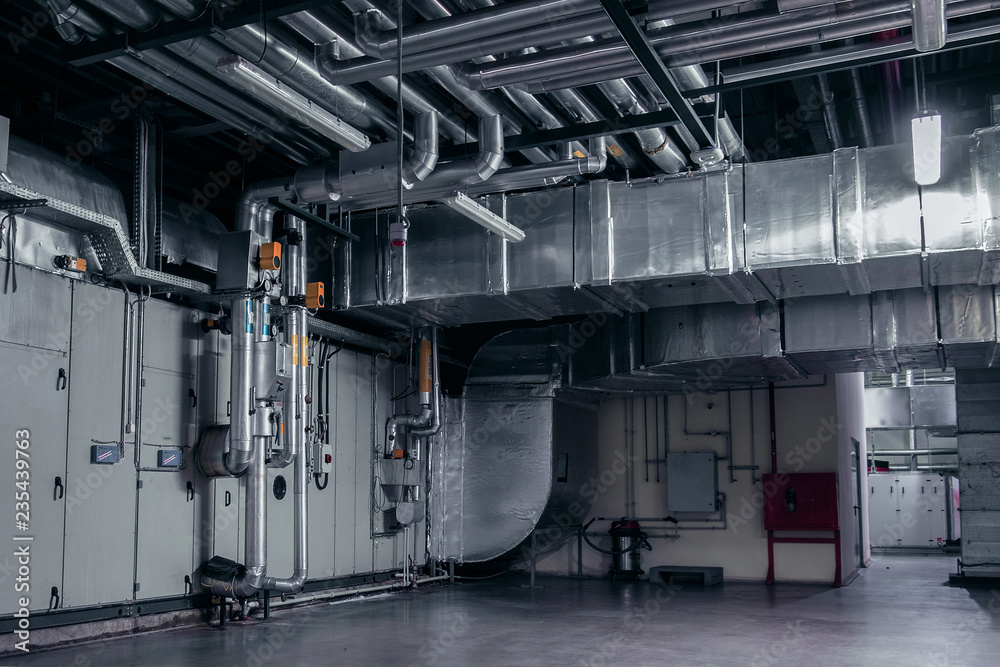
[
  {"x": 480, "y": 214},
  {"x": 281, "y": 97},
  {"x": 927, "y": 148}
]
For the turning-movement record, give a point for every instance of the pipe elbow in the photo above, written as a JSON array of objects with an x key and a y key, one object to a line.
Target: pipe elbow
[
  {"x": 238, "y": 460},
  {"x": 368, "y": 34},
  {"x": 424, "y": 157},
  {"x": 318, "y": 184},
  {"x": 291, "y": 584},
  {"x": 491, "y": 146},
  {"x": 598, "y": 158}
]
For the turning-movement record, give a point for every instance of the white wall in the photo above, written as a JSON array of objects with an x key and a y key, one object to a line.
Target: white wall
[{"x": 808, "y": 440}]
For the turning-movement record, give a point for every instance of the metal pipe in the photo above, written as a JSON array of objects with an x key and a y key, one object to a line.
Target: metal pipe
[
  {"x": 829, "y": 110},
  {"x": 436, "y": 405},
  {"x": 861, "y": 106},
  {"x": 673, "y": 41},
  {"x": 495, "y": 36},
  {"x": 936, "y": 467},
  {"x": 140, "y": 15},
  {"x": 274, "y": 50},
  {"x": 467, "y": 27},
  {"x": 240, "y": 432},
  {"x": 546, "y": 173},
  {"x": 930, "y": 26},
  {"x": 185, "y": 9},
  {"x": 424, "y": 156},
  {"x": 296, "y": 419},
  {"x": 145, "y": 73},
  {"x": 786, "y": 40},
  {"x": 205, "y": 54},
  {"x": 655, "y": 142},
  {"x": 66, "y": 11},
  {"x": 331, "y": 38}
]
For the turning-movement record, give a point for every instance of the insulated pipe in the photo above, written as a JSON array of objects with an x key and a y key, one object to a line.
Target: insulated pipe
[
  {"x": 546, "y": 173},
  {"x": 320, "y": 31},
  {"x": 321, "y": 183},
  {"x": 67, "y": 31},
  {"x": 186, "y": 9},
  {"x": 145, "y": 73},
  {"x": 252, "y": 205},
  {"x": 67, "y": 10},
  {"x": 424, "y": 156},
  {"x": 436, "y": 404},
  {"x": 930, "y": 26},
  {"x": 238, "y": 457},
  {"x": 496, "y": 37},
  {"x": 476, "y": 170},
  {"x": 274, "y": 50},
  {"x": 467, "y": 27},
  {"x": 294, "y": 402},
  {"x": 138, "y": 14},
  {"x": 693, "y": 77},
  {"x": 939, "y": 451},
  {"x": 655, "y": 142},
  {"x": 221, "y": 93},
  {"x": 829, "y": 109},
  {"x": 673, "y": 41},
  {"x": 295, "y": 418}
]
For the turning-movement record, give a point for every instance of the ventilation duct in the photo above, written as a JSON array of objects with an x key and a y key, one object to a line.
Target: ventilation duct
[
  {"x": 850, "y": 222},
  {"x": 494, "y": 477},
  {"x": 930, "y": 25}
]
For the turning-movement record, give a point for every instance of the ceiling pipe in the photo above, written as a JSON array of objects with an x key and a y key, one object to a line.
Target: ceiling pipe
[
  {"x": 228, "y": 97},
  {"x": 930, "y": 25},
  {"x": 145, "y": 73},
  {"x": 139, "y": 15},
  {"x": 275, "y": 51},
  {"x": 326, "y": 36},
  {"x": 584, "y": 112},
  {"x": 655, "y": 142},
  {"x": 535, "y": 82},
  {"x": 69, "y": 11},
  {"x": 211, "y": 106},
  {"x": 673, "y": 41},
  {"x": 692, "y": 77},
  {"x": 455, "y": 46},
  {"x": 322, "y": 183},
  {"x": 833, "y": 133},
  {"x": 467, "y": 27},
  {"x": 939, "y": 451},
  {"x": 545, "y": 174},
  {"x": 185, "y": 9}
]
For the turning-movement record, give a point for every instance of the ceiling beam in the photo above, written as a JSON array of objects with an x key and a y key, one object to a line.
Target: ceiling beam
[
  {"x": 170, "y": 32},
  {"x": 580, "y": 132},
  {"x": 653, "y": 65}
]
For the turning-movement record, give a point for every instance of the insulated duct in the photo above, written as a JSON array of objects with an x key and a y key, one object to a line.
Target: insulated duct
[{"x": 494, "y": 475}]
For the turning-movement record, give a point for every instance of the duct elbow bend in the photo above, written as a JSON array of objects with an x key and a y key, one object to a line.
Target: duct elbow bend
[
  {"x": 491, "y": 146},
  {"x": 368, "y": 33},
  {"x": 424, "y": 157},
  {"x": 598, "y": 158},
  {"x": 238, "y": 459},
  {"x": 291, "y": 584}
]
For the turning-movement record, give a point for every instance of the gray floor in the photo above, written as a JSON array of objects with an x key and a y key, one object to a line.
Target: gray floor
[{"x": 899, "y": 612}]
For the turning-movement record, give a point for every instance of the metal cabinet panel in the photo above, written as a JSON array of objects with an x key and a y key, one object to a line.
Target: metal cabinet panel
[
  {"x": 36, "y": 404},
  {"x": 38, "y": 313},
  {"x": 883, "y": 510},
  {"x": 100, "y": 499},
  {"x": 168, "y": 418},
  {"x": 166, "y": 528},
  {"x": 280, "y": 523},
  {"x": 171, "y": 337},
  {"x": 345, "y": 442}
]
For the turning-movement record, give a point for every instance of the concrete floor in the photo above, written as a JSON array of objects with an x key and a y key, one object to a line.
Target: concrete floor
[{"x": 898, "y": 612}]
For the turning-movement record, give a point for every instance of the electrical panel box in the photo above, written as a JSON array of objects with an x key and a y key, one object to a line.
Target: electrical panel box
[
  {"x": 322, "y": 458},
  {"x": 238, "y": 268},
  {"x": 104, "y": 454},
  {"x": 801, "y": 501},
  {"x": 692, "y": 482},
  {"x": 169, "y": 458},
  {"x": 274, "y": 374}
]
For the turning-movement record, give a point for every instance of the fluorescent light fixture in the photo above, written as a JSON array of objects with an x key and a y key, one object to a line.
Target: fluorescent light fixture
[
  {"x": 483, "y": 216},
  {"x": 279, "y": 96},
  {"x": 927, "y": 148}
]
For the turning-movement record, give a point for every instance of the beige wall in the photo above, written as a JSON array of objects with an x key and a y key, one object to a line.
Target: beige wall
[{"x": 807, "y": 441}]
